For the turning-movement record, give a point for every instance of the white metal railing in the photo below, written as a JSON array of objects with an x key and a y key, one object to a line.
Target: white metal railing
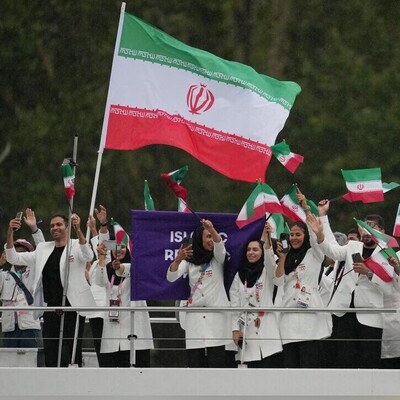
[
  {"x": 209, "y": 309},
  {"x": 177, "y": 309}
]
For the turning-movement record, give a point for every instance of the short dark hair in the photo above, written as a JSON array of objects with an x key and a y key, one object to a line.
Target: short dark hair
[
  {"x": 60, "y": 216},
  {"x": 353, "y": 231},
  {"x": 377, "y": 219}
]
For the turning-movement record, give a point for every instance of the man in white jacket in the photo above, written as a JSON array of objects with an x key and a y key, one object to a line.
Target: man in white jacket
[
  {"x": 48, "y": 263},
  {"x": 357, "y": 335}
]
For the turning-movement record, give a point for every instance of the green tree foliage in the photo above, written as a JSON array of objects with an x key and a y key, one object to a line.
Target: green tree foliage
[{"x": 55, "y": 66}]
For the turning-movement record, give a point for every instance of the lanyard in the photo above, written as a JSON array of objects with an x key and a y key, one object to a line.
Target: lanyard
[
  {"x": 198, "y": 283},
  {"x": 119, "y": 286},
  {"x": 257, "y": 285}
]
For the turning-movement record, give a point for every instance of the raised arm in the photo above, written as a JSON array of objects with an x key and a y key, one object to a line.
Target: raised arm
[
  {"x": 266, "y": 235},
  {"x": 183, "y": 254},
  {"x": 207, "y": 224}
]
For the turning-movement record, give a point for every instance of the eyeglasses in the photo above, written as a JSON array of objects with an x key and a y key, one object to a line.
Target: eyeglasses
[{"x": 372, "y": 224}]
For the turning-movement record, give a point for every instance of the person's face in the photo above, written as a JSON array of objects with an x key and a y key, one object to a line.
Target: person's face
[
  {"x": 208, "y": 243},
  {"x": 20, "y": 249},
  {"x": 296, "y": 237},
  {"x": 120, "y": 254},
  {"x": 58, "y": 228},
  {"x": 254, "y": 252},
  {"x": 352, "y": 236},
  {"x": 366, "y": 238}
]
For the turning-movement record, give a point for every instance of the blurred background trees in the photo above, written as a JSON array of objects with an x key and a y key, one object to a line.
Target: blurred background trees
[{"x": 55, "y": 67}]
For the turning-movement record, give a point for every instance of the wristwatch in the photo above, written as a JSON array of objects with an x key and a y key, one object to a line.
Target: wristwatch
[{"x": 370, "y": 274}]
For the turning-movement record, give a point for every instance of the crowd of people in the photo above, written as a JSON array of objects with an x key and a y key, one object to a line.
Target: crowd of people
[{"x": 316, "y": 269}]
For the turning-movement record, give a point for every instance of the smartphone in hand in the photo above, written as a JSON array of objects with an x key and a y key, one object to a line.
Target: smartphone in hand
[
  {"x": 357, "y": 258},
  {"x": 18, "y": 216},
  {"x": 284, "y": 239},
  {"x": 112, "y": 245},
  {"x": 187, "y": 241}
]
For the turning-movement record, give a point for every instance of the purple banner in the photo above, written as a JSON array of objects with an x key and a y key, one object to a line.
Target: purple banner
[{"x": 157, "y": 236}]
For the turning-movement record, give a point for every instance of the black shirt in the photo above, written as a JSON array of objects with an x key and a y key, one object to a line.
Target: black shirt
[{"x": 52, "y": 287}]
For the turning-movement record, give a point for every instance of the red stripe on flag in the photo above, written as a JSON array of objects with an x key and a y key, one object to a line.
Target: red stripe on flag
[
  {"x": 236, "y": 157},
  {"x": 294, "y": 162},
  {"x": 366, "y": 197},
  {"x": 378, "y": 270}
]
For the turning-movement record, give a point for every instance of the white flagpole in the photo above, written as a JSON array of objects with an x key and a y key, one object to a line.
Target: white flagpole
[
  {"x": 67, "y": 253},
  {"x": 242, "y": 364},
  {"x": 105, "y": 120}
]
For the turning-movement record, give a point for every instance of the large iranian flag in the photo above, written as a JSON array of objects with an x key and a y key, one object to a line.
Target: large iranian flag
[
  {"x": 378, "y": 263},
  {"x": 262, "y": 200},
  {"x": 363, "y": 185},
  {"x": 163, "y": 91}
]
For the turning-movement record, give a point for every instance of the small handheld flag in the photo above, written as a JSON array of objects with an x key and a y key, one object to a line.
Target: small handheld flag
[
  {"x": 396, "y": 229},
  {"x": 378, "y": 263},
  {"x": 291, "y": 207},
  {"x": 148, "y": 200},
  {"x": 363, "y": 185},
  {"x": 261, "y": 200},
  {"x": 286, "y": 157},
  {"x": 69, "y": 179},
  {"x": 380, "y": 238},
  {"x": 121, "y": 237}
]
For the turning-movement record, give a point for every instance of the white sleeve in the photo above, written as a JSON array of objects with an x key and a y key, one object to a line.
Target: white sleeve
[{"x": 183, "y": 269}]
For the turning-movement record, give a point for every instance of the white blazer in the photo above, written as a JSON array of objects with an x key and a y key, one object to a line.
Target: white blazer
[
  {"x": 78, "y": 290},
  {"x": 206, "y": 329},
  {"x": 263, "y": 341},
  {"x": 367, "y": 293},
  {"x": 115, "y": 334},
  {"x": 295, "y": 327}
]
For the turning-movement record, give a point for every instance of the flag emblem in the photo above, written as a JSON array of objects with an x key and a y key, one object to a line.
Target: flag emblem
[
  {"x": 199, "y": 99},
  {"x": 360, "y": 186}
]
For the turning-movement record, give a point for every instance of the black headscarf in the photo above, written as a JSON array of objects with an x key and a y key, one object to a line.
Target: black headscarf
[
  {"x": 250, "y": 272},
  {"x": 200, "y": 255},
  {"x": 111, "y": 271},
  {"x": 295, "y": 256}
]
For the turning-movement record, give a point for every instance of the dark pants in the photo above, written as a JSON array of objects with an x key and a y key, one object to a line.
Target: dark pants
[
  {"x": 305, "y": 354},
  {"x": 273, "y": 361},
  {"x": 28, "y": 338},
  {"x": 390, "y": 363},
  {"x": 96, "y": 326},
  {"x": 353, "y": 345},
  {"x": 51, "y": 332},
  {"x": 209, "y": 357},
  {"x": 121, "y": 359}
]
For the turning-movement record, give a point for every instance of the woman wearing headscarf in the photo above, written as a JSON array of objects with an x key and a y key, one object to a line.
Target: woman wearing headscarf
[
  {"x": 253, "y": 286},
  {"x": 115, "y": 345},
  {"x": 203, "y": 261},
  {"x": 299, "y": 269}
]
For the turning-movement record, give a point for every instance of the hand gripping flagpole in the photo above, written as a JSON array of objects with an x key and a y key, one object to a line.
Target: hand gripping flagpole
[{"x": 66, "y": 269}]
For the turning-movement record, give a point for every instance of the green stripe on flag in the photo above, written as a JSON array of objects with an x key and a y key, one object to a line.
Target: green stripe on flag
[
  {"x": 281, "y": 148},
  {"x": 362, "y": 175},
  {"x": 142, "y": 41}
]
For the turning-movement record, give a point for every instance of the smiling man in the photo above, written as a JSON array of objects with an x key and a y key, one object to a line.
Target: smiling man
[{"x": 48, "y": 263}]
